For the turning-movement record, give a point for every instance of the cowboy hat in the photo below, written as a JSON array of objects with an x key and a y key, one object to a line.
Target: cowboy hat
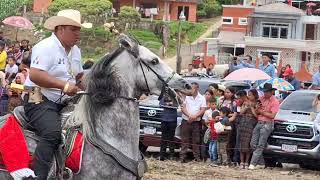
[
  {"x": 67, "y": 17},
  {"x": 268, "y": 87}
]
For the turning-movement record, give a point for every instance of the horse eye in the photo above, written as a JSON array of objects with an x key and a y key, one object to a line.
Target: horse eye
[{"x": 155, "y": 61}]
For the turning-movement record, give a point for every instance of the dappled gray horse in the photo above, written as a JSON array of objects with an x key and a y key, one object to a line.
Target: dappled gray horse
[{"x": 109, "y": 112}]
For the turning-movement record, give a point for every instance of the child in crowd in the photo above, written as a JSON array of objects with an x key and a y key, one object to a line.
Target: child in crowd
[
  {"x": 18, "y": 55},
  {"x": 25, "y": 46},
  {"x": 223, "y": 118},
  {"x": 213, "y": 149},
  {"x": 11, "y": 69},
  {"x": 207, "y": 116},
  {"x": 220, "y": 93},
  {"x": 15, "y": 95},
  {"x": 215, "y": 88},
  {"x": 223, "y": 138}
]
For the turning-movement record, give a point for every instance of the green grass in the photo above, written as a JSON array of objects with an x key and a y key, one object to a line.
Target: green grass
[
  {"x": 189, "y": 31},
  {"x": 147, "y": 38}
]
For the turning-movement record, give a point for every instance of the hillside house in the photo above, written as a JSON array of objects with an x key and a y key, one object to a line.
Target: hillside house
[
  {"x": 280, "y": 29},
  {"x": 162, "y": 9},
  {"x": 234, "y": 27},
  {"x": 40, "y": 6}
]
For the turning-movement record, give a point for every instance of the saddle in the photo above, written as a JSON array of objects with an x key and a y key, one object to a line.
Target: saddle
[
  {"x": 68, "y": 140},
  {"x": 70, "y": 135}
]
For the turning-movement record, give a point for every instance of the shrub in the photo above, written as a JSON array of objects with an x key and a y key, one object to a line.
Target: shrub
[
  {"x": 93, "y": 10},
  {"x": 129, "y": 14},
  {"x": 209, "y": 8}
]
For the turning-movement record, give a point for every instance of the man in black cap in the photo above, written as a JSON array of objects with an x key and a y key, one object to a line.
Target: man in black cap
[{"x": 266, "y": 111}]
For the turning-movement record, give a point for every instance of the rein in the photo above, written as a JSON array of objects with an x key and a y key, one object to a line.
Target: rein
[
  {"x": 165, "y": 86},
  {"x": 81, "y": 93}
]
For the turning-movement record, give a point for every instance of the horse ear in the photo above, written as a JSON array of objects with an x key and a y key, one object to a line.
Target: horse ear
[{"x": 127, "y": 43}]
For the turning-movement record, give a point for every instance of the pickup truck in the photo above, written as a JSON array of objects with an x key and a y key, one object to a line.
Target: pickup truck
[{"x": 296, "y": 134}]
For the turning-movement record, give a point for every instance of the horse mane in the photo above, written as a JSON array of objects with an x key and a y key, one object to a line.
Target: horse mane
[
  {"x": 102, "y": 86},
  {"x": 102, "y": 81}
]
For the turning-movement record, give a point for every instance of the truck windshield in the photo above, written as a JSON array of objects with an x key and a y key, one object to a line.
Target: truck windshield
[{"x": 299, "y": 102}]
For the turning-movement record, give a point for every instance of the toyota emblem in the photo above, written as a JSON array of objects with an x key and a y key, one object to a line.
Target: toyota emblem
[
  {"x": 291, "y": 128},
  {"x": 152, "y": 112}
]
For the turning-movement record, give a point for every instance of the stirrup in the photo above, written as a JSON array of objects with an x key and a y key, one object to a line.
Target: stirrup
[
  {"x": 67, "y": 174},
  {"x": 29, "y": 178}
]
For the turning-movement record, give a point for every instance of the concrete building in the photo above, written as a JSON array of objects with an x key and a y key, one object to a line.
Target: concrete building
[{"x": 280, "y": 29}]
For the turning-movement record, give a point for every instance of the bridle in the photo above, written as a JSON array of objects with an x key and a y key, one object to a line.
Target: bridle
[{"x": 165, "y": 83}]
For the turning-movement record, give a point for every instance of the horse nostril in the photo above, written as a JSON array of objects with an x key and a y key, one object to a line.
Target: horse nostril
[{"x": 187, "y": 86}]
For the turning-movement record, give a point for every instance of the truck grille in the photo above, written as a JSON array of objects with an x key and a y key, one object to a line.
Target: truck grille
[
  {"x": 300, "y": 144},
  {"x": 281, "y": 129},
  {"x": 150, "y": 114}
]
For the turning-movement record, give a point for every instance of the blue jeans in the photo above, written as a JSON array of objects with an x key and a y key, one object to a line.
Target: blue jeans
[
  {"x": 259, "y": 141},
  {"x": 213, "y": 150}
]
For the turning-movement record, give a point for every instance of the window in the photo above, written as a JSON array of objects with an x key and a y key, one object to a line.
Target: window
[
  {"x": 274, "y": 30},
  {"x": 243, "y": 21},
  {"x": 227, "y": 20}
]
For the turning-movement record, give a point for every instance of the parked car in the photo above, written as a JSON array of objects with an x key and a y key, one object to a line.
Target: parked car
[
  {"x": 150, "y": 123},
  {"x": 295, "y": 138},
  {"x": 151, "y": 113},
  {"x": 205, "y": 81}
]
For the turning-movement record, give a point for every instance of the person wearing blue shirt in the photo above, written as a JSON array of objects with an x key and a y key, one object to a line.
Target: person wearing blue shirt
[
  {"x": 237, "y": 64},
  {"x": 168, "y": 126},
  {"x": 247, "y": 62},
  {"x": 266, "y": 66},
  {"x": 316, "y": 80}
]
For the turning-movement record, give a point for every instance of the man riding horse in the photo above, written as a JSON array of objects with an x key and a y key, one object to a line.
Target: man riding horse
[{"x": 55, "y": 75}]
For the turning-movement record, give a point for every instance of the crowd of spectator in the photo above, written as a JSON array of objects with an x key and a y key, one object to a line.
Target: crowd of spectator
[
  {"x": 15, "y": 59},
  {"x": 14, "y": 68},
  {"x": 225, "y": 127}
]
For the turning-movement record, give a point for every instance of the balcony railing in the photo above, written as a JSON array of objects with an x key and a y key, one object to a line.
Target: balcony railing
[{"x": 297, "y": 44}]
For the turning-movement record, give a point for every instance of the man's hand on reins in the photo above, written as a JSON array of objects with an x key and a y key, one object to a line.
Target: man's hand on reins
[{"x": 72, "y": 89}]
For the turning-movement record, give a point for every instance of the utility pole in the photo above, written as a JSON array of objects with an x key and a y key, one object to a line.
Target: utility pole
[{"x": 179, "y": 58}]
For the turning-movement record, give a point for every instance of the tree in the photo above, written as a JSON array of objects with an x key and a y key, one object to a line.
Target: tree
[
  {"x": 209, "y": 8},
  {"x": 92, "y": 11},
  {"x": 129, "y": 15}
]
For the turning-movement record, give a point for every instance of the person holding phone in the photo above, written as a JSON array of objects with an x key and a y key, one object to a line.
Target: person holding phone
[{"x": 266, "y": 111}]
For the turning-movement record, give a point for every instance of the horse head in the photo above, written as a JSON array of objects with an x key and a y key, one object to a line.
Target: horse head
[
  {"x": 152, "y": 74},
  {"x": 130, "y": 71}
]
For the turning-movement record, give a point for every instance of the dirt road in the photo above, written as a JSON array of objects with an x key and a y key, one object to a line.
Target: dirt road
[{"x": 172, "y": 170}]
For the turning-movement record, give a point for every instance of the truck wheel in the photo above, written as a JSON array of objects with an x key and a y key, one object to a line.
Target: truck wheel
[{"x": 271, "y": 162}]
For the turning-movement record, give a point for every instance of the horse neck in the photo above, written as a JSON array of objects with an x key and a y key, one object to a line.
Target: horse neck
[
  {"x": 118, "y": 123},
  {"x": 119, "y": 126}
]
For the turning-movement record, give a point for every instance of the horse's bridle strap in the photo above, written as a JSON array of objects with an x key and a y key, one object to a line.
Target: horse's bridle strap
[
  {"x": 138, "y": 168},
  {"x": 116, "y": 97},
  {"x": 164, "y": 82}
]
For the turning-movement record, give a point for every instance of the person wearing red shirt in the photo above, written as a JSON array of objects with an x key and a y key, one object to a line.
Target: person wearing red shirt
[{"x": 266, "y": 111}]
